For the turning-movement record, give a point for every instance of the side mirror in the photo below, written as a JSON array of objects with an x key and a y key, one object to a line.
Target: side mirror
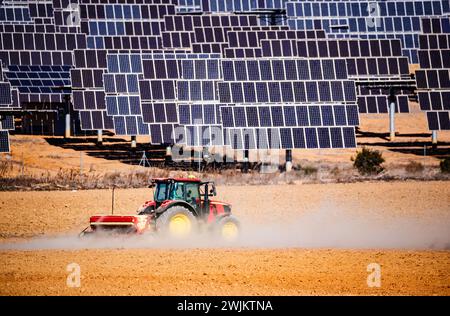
[
  {"x": 151, "y": 185},
  {"x": 212, "y": 191}
]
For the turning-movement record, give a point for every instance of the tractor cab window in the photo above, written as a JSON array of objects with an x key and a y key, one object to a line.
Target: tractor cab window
[
  {"x": 177, "y": 192},
  {"x": 161, "y": 192},
  {"x": 192, "y": 193}
]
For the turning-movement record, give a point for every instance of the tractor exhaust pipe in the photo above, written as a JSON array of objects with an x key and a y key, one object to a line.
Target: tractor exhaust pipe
[{"x": 112, "y": 200}]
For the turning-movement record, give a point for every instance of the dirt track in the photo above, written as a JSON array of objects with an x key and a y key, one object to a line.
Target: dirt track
[{"x": 239, "y": 271}]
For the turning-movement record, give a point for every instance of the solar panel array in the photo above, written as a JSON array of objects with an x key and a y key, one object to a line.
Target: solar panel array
[
  {"x": 139, "y": 67},
  {"x": 6, "y": 104},
  {"x": 388, "y": 19},
  {"x": 433, "y": 77},
  {"x": 365, "y": 60}
]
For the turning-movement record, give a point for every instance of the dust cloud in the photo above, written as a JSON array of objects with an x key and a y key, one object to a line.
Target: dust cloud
[{"x": 327, "y": 227}]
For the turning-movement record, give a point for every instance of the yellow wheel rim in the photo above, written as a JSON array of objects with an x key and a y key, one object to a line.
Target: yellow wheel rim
[
  {"x": 180, "y": 225},
  {"x": 230, "y": 231}
]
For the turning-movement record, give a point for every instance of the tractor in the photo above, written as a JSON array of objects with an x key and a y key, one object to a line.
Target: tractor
[{"x": 180, "y": 207}]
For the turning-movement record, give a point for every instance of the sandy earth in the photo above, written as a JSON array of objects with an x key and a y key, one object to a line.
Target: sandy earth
[{"x": 301, "y": 239}]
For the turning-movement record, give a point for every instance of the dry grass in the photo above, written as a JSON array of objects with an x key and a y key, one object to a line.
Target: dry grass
[
  {"x": 414, "y": 167},
  {"x": 72, "y": 178}
]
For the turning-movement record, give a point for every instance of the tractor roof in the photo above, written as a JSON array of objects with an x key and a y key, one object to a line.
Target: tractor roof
[{"x": 177, "y": 179}]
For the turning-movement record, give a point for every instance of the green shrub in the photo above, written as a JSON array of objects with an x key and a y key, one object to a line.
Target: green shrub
[
  {"x": 368, "y": 161},
  {"x": 445, "y": 165}
]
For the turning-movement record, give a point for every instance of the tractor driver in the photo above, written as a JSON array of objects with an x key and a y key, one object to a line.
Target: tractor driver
[{"x": 177, "y": 191}]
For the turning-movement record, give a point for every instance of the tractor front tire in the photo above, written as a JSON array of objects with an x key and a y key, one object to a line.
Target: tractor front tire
[
  {"x": 177, "y": 222},
  {"x": 228, "y": 228}
]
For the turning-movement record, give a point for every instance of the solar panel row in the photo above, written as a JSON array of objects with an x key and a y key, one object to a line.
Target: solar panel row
[
  {"x": 12, "y": 57},
  {"x": 287, "y": 91},
  {"x": 126, "y": 11},
  {"x": 151, "y": 95},
  {"x": 433, "y": 77},
  {"x": 434, "y": 100},
  {"x": 289, "y": 115},
  {"x": 264, "y": 69},
  {"x": 289, "y": 138},
  {"x": 41, "y": 41},
  {"x": 383, "y": 19},
  {"x": 379, "y": 104}
]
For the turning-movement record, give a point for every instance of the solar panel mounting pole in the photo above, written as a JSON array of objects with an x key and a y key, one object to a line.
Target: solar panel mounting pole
[
  {"x": 392, "y": 104},
  {"x": 288, "y": 160},
  {"x": 67, "y": 116},
  {"x": 99, "y": 137},
  {"x": 393, "y": 86},
  {"x": 434, "y": 139},
  {"x": 168, "y": 157},
  {"x": 245, "y": 164}
]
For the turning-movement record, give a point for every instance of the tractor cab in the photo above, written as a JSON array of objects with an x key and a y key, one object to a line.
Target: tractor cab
[{"x": 190, "y": 190}]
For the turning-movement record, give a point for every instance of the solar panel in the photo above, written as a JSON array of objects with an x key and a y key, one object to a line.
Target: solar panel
[
  {"x": 193, "y": 77},
  {"x": 42, "y": 81},
  {"x": 379, "y": 104},
  {"x": 188, "y": 22},
  {"x": 7, "y": 122},
  {"x": 28, "y": 28},
  {"x": 385, "y": 19},
  {"x": 242, "y": 5},
  {"x": 111, "y": 26},
  {"x": 289, "y": 115},
  {"x": 290, "y": 138},
  {"x": 41, "y": 41},
  {"x": 253, "y": 38},
  {"x": 15, "y": 14},
  {"x": 242, "y": 52},
  {"x": 434, "y": 41},
  {"x": 5, "y": 94},
  {"x": 433, "y": 77},
  {"x": 122, "y": 81},
  {"x": 4, "y": 142},
  {"x": 434, "y": 100}
]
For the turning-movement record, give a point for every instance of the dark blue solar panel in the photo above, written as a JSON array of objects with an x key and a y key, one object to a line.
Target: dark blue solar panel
[
  {"x": 327, "y": 115},
  {"x": 336, "y": 138},
  {"x": 314, "y": 116},
  {"x": 349, "y": 137},
  {"x": 264, "y": 116},
  {"x": 289, "y": 115},
  {"x": 252, "y": 116},
  {"x": 299, "y": 138},
  {"x": 227, "y": 116},
  {"x": 311, "y": 138},
  {"x": 4, "y": 142},
  {"x": 324, "y": 137}
]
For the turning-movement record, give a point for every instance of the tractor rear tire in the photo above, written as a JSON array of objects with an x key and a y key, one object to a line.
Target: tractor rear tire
[
  {"x": 177, "y": 222},
  {"x": 228, "y": 228}
]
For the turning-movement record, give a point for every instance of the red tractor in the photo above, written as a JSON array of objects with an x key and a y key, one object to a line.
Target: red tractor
[{"x": 179, "y": 208}]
